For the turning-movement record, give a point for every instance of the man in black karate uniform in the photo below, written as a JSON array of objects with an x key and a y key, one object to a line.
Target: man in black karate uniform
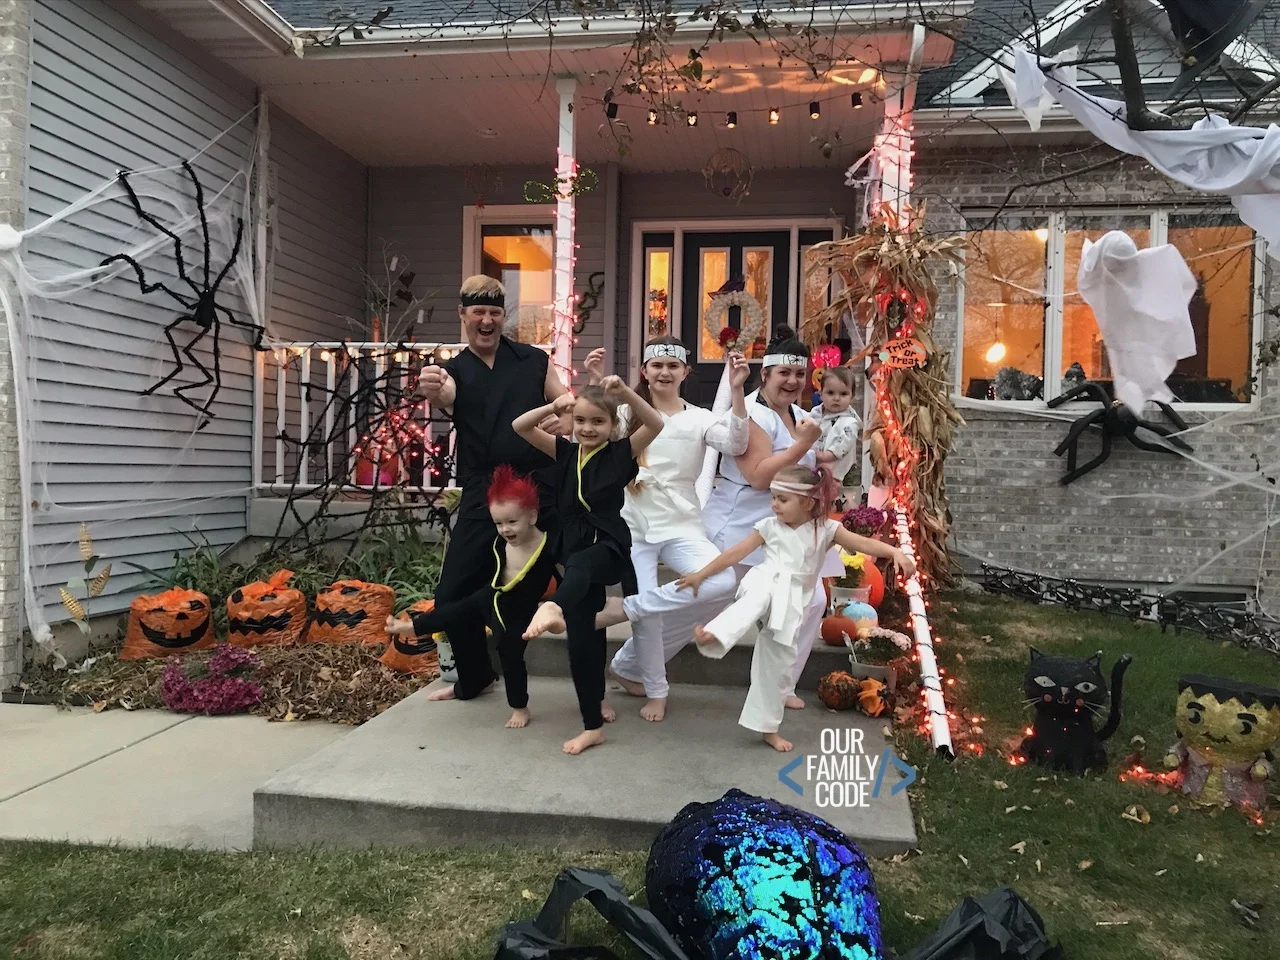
[{"x": 485, "y": 387}]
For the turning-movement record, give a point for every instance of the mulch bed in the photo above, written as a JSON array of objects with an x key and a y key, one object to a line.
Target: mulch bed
[{"x": 341, "y": 683}]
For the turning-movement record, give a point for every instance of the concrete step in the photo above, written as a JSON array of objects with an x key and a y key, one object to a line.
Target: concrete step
[
  {"x": 549, "y": 657},
  {"x": 427, "y": 773}
]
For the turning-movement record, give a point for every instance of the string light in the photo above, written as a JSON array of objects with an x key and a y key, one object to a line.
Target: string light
[
  {"x": 815, "y": 111},
  {"x": 732, "y": 120},
  {"x": 653, "y": 117},
  {"x": 856, "y": 100},
  {"x": 611, "y": 110},
  {"x": 773, "y": 115},
  {"x": 692, "y": 118},
  {"x": 326, "y": 355}
]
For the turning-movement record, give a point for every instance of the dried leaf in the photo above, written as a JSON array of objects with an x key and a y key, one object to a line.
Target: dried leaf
[
  {"x": 1084, "y": 865},
  {"x": 1161, "y": 873},
  {"x": 1069, "y": 802},
  {"x": 86, "y": 543},
  {"x": 290, "y": 716},
  {"x": 526, "y": 894},
  {"x": 100, "y": 706},
  {"x": 912, "y": 916},
  {"x": 963, "y": 859},
  {"x": 1137, "y": 813},
  {"x": 1011, "y": 809},
  {"x": 1139, "y": 741},
  {"x": 1020, "y": 847},
  {"x": 325, "y": 673},
  {"x": 1037, "y": 866},
  {"x": 1173, "y": 809},
  {"x": 1199, "y": 858},
  {"x": 100, "y": 581}
]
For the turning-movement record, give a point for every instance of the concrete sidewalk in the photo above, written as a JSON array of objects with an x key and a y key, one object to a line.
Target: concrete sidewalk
[{"x": 140, "y": 777}]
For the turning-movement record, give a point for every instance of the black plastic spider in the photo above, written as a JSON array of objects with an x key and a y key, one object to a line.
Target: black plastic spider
[
  {"x": 201, "y": 304},
  {"x": 1116, "y": 420}
]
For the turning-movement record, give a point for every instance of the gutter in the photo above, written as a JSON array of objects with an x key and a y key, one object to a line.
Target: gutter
[{"x": 258, "y": 20}]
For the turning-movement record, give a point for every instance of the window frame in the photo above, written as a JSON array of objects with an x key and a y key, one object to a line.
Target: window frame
[
  {"x": 476, "y": 218},
  {"x": 1056, "y": 288}
]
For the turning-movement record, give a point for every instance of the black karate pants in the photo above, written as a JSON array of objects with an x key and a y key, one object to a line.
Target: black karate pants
[
  {"x": 581, "y": 596},
  {"x": 467, "y": 570},
  {"x": 478, "y": 608}
]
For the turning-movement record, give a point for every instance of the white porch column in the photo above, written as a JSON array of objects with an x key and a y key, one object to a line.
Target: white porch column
[{"x": 566, "y": 174}]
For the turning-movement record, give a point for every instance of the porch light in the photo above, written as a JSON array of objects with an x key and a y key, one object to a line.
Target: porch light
[
  {"x": 446, "y": 353},
  {"x": 692, "y": 118},
  {"x": 732, "y": 120},
  {"x": 815, "y": 111},
  {"x": 773, "y": 115},
  {"x": 611, "y": 111},
  {"x": 856, "y": 100},
  {"x": 653, "y": 117}
]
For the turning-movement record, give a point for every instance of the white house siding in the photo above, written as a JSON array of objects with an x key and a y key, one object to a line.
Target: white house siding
[
  {"x": 418, "y": 212},
  {"x": 107, "y": 95},
  {"x": 1002, "y": 476},
  {"x": 317, "y": 281}
]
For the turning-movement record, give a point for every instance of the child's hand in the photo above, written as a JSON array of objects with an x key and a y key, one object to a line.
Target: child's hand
[
  {"x": 595, "y": 364},
  {"x": 739, "y": 369},
  {"x": 691, "y": 581},
  {"x": 613, "y": 385},
  {"x": 562, "y": 404},
  {"x": 399, "y": 628},
  {"x": 808, "y": 432},
  {"x": 904, "y": 563}
]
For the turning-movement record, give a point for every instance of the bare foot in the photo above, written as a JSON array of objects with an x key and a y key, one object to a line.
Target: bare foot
[
  {"x": 519, "y": 718},
  {"x": 608, "y": 712},
  {"x": 631, "y": 686},
  {"x": 655, "y": 709},
  {"x": 793, "y": 703},
  {"x": 548, "y": 618},
  {"x": 611, "y": 614},
  {"x": 587, "y": 738},
  {"x": 444, "y": 693},
  {"x": 701, "y": 637},
  {"x": 775, "y": 740}
]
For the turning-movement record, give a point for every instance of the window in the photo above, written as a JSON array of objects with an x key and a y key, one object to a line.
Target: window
[
  {"x": 522, "y": 256},
  {"x": 657, "y": 285},
  {"x": 713, "y": 272},
  {"x": 1026, "y": 328}
]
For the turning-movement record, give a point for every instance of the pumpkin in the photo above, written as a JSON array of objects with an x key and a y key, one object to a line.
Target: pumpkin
[
  {"x": 871, "y": 697},
  {"x": 352, "y": 611},
  {"x": 873, "y": 578},
  {"x": 839, "y": 690},
  {"x": 863, "y": 615},
  {"x": 266, "y": 613},
  {"x": 416, "y": 655},
  {"x": 835, "y": 627},
  {"x": 167, "y": 624}
]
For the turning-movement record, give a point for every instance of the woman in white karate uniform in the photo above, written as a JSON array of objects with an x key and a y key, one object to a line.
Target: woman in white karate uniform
[
  {"x": 781, "y": 436},
  {"x": 666, "y": 523}
]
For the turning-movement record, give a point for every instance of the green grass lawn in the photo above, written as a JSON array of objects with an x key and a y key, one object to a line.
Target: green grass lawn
[{"x": 1160, "y": 890}]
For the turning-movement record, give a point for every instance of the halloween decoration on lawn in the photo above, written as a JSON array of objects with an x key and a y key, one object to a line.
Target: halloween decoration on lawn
[
  {"x": 839, "y": 690},
  {"x": 74, "y": 605},
  {"x": 1066, "y": 693},
  {"x": 1227, "y": 731},
  {"x": 1116, "y": 420},
  {"x": 417, "y": 655},
  {"x": 352, "y": 611},
  {"x": 872, "y": 696},
  {"x": 266, "y": 613},
  {"x": 751, "y": 878},
  {"x": 885, "y": 283},
  {"x": 221, "y": 686},
  {"x": 199, "y": 302},
  {"x": 166, "y": 624},
  {"x": 999, "y": 926}
]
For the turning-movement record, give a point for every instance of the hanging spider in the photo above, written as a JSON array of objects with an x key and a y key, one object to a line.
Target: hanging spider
[
  {"x": 1116, "y": 420},
  {"x": 201, "y": 304}
]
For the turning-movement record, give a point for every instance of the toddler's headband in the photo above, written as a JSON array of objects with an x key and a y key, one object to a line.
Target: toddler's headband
[
  {"x": 800, "y": 489},
  {"x": 784, "y": 360},
  {"x": 483, "y": 300},
  {"x": 676, "y": 350}
]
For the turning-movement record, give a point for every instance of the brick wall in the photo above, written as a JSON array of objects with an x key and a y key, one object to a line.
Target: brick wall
[
  {"x": 15, "y": 53},
  {"x": 1002, "y": 475}
]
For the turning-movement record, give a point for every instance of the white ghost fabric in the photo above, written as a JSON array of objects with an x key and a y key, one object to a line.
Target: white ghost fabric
[
  {"x": 1213, "y": 156},
  {"x": 1031, "y": 104},
  {"x": 1140, "y": 299}
]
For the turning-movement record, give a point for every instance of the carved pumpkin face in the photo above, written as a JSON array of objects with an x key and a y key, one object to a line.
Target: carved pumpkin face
[
  {"x": 352, "y": 611},
  {"x": 416, "y": 656},
  {"x": 266, "y": 613},
  {"x": 167, "y": 624}
]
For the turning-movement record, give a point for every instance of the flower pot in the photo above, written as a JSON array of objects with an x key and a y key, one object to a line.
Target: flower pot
[
  {"x": 842, "y": 595},
  {"x": 885, "y": 673}
]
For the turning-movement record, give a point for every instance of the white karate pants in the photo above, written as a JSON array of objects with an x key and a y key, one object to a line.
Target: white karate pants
[{"x": 662, "y": 617}]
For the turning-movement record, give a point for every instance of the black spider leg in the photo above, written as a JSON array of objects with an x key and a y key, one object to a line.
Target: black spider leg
[
  {"x": 204, "y": 226},
  {"x": 1070, "y": 443},
  {"x": 177, "y": 240},
  {"x": 1159, "y": 430},
  {"x": 258, "y": 330},
  {"x": 1177, "y": 421},
  {"x": 180, "y": 392}
]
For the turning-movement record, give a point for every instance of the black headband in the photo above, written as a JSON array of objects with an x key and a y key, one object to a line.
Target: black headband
[{"x": 484, "y": 300}]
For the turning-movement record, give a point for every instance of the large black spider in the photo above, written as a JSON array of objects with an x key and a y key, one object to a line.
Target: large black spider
[
  {"x": 201, "y": 305},
  {"x": 1116, "y": 420}
]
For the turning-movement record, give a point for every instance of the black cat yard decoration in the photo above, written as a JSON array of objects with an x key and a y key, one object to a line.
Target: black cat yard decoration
[{"x": 1066, "y": 693}]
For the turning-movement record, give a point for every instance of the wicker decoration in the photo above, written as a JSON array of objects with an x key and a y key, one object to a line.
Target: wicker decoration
[
  {"x": 728, "y": 173},
  {"x": 718, "y": 309}
]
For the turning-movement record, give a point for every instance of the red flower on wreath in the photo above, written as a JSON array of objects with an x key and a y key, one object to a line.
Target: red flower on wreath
[{"x": 728, "y": 338}]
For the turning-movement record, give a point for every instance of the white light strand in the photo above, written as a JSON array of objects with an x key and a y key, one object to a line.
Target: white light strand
[
  {"x": 930, "y": 680},
  {"x": 565, "y": 256}
]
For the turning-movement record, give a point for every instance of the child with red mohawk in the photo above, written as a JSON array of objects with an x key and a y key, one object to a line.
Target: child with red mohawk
[{"x": 523, "y": 566}]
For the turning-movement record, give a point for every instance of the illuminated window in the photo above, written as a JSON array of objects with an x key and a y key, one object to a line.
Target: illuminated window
[
  {"x": 657, "y": 284},
  {"x": 1028, "y": 334},
  {"x": 522, "y": 256},
  {"x": 713, "y": 271}
]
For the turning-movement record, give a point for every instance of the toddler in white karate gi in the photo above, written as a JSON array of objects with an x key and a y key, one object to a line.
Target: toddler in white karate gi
[
  {"x": 776, "y": 592},
  {"x": 838, "y": 448}
]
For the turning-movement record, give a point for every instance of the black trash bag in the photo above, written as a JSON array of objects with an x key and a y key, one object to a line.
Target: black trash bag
[
  {"x": 1000, "y": 926},
  {"x": 536, "y": 939}
]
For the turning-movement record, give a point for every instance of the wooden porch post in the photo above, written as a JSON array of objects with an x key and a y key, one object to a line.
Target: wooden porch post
[{"x": 566, "y": 174}]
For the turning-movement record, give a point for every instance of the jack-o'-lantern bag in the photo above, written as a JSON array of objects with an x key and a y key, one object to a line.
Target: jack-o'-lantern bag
[
  {"x": 168, "y": 624},
  {"x": 266, "y": 613},
  {"x": 413, "y": 654},
  {"x": 352, "y": 611}
]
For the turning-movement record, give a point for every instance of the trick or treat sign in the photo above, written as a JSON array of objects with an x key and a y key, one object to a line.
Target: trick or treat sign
[
  {"x": 847, "y": 772},
  {"x": 903, "y": 353}
]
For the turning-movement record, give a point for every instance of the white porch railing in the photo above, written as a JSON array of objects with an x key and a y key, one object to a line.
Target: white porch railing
[{"x": 343, "y": 415}]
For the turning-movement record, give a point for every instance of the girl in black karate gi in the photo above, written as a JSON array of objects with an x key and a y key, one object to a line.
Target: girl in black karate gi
[
  {"x": 524, "y": 563},
  {"x": 594, "y": 544}
]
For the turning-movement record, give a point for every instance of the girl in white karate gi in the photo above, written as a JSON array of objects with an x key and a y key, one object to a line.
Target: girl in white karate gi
[
  {"x": 778, "y": 591},
  {"x": 781, "y": 436},
  {"x": 666, "y": 522}
]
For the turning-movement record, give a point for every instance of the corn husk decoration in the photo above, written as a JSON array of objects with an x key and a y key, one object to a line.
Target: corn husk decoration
[
  {"x": 73, "y": 604},
  {"x": 886, "y": 281}
]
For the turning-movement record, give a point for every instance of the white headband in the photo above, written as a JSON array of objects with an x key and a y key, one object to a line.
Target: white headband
[
  {"x": 676, "y": 350},
  {"x": 784, "y": 360},
  {"x": 800, "y": 489}
]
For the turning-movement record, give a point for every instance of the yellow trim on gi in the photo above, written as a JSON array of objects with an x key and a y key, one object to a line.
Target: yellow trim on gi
[{"x": 506, "y": 587}]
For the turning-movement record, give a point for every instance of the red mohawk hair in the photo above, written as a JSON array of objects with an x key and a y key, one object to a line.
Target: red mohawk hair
[{"x": 507, "y": 486}]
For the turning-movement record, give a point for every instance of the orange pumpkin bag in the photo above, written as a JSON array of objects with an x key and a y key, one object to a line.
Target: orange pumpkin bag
[
  {"x": 418, "y": 655},
  {"x": 352, "y": 611},
  {"x": 168, "y": 624},
  {"x": 266, "y": 613}
]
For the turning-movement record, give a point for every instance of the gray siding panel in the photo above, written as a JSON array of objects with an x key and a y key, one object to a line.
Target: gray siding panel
[{"x": 105, "y": 96}]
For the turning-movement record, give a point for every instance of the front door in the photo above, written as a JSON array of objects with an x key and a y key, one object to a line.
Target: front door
[{"x": 759, "y": 260}]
